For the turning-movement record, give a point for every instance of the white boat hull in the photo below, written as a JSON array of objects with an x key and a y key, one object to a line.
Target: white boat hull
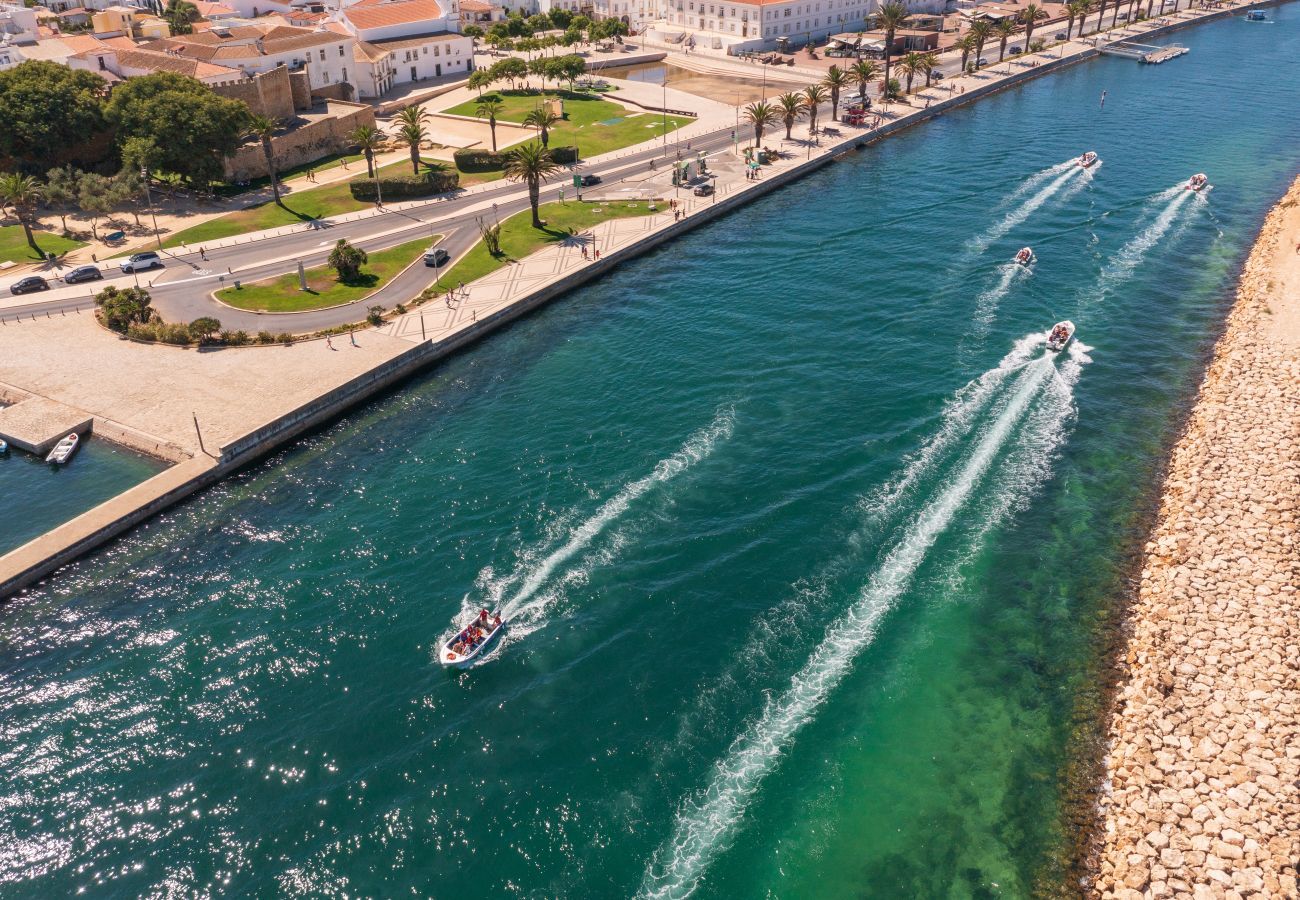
[
  {"x": 1056, "y": 343},
  {"x": 453, "y": 659},
  {"x": 63, "y": 450}
]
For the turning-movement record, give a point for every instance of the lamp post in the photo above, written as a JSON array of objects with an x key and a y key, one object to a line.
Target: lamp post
[{"x": 148, "y": 199}]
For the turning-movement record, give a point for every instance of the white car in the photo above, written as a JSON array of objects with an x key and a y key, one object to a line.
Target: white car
[{"x": 142, "y": 262}]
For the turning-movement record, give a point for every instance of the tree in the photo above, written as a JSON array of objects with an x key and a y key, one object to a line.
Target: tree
[
  {"x": 193, "y": 128},
  {"x": 22, "y": 193},
  {"x": 263, "y": 129},
  {"x": 540, "y": 67},
  {"x": 128, "y": 187},
  {"x": 760, "y": 114},
  {"x": 61, "y": 187},
  {"x": 561, "y": 19},
  {"x": 891, "y": 89},
  {"x": 1101, "y": 11},
  {"x": 367, "y": 138},
  {"x": 97, "y": 197},
  {"x": 966, "y": 44},
  {"x": 52, "y": 115},
  {"x": 510, "y": 69},
  {"x": 412, "y": 132},
  {"x": 890, "y": 17},
  {"x": 489, "y": 109},
  {"x": 181, "y": 16},
  {"x": 929, "y": 62},
  {"x": 347, "y": 260},
  {"x": 531, "y": 163},
  {"x": 572, "y": 35},
  {"x": 864, "y": 73},
  {"x": 910, "y": 65},
  {"x": 1030, "y": 15},
  {"x": 980, "y": 30},
  {"x": 480, "y": 79},
  {"x": 814, "y": 95},
  {"x": 569, "y": 67},
  {"x": 203, "y": 328},
  {"x": 1004, "y": 29},
  {"x": 120, "y": 308},
  {"x": 1076, "y": 9},
  {"x": 836, "y": 79},
  {"x": 539, "y": 22},
  {"x": 542, "y": 119},
  {"x": 793, "y": 106},
  {"x": 473, "y": 32}
]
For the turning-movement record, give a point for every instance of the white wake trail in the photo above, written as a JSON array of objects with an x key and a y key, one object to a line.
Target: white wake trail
[
  {"x": 1036, "y": 179},
  {"x": 1025, "y": 210},
  {"x": 696, "y": 448},
  {"x": 986, "y": 305},
  {"x": 705, "y": 824},
  {"x": 1122, "y": 265}
]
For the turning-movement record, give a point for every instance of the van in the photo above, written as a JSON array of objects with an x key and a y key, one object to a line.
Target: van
[{"x": 142, "y": 262}]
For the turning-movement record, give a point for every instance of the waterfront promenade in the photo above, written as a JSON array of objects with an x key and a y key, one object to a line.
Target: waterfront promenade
[
  {"x": 1202, "y": 798},
  {"x": 257, "y": 412}
]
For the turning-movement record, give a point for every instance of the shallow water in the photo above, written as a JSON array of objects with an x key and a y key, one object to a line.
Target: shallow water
[{"x": 804, "y": 533}]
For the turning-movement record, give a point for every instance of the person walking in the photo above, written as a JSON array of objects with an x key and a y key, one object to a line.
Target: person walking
[{"x": 329, "y": 343}]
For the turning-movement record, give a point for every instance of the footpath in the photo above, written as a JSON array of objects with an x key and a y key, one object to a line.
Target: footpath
[{"x": 1203, "y": 796}]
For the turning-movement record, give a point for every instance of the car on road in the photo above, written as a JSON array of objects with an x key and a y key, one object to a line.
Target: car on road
[
  {"x": 981, "y": 62},
  {"x": 1017, "y": 49},
  {"x": 936, "y": 76},
  {"x": 83, "y": 273},
  {"x": 588, "y": 180},
  {"x": 142, "y": 262},
  {"x": 28, "y": 285},
  {"x": 1061, "y": 36},
  {"x": 703, "y": 190},
  {"x": 436, "y": 256}
]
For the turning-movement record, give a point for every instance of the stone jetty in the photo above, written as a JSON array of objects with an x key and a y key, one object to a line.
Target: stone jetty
[{"x": 1202, "y": 768}]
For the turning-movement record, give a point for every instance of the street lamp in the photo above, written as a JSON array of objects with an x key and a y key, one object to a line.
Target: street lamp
[{"x": 148, "y": 199}]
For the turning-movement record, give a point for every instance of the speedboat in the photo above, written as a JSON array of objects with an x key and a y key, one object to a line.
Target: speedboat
[
  {"x": 63, "y": 450},
  {"x": 1197, "y": 182},
  {"x": 1062, "y": 333},
  {"x": 1256, "y": 15},
  {"x": 1025, "y": 256},
  {"x": 461, "y": 649},
  {"x": 1087, "y": 159}
]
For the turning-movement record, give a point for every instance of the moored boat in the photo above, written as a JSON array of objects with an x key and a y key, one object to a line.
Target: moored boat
[
  {"x": 1087, "y": 159},
  {"x": 468, "y": 644},
  {"x": 63, "y": 450},
  {"x": 1197, "y": 182},
  {"x": 1061, "y": 334},
  {"x": 1256, "y": 15},
  {"x": 1025, "y": 256},
  {"x": 4, "y": 447}
]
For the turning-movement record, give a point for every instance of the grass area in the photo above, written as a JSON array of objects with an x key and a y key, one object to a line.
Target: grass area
[
  {"x": 323, "y": 287},
  {"x": 14, "y": 246},
  {"x": 304, "y": 205},
  {"x": 519, "y": 238},
  {"x": 592, "y": 124}
]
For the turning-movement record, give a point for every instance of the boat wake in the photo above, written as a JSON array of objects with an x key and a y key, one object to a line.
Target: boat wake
[
  {"x": 1027, "y": 423},
  {"x": 526, "y": 600},
  {"x": 1177, "y": 201},
  {"x": 1057, "y": 180},
  {"x": 986, "y": 305}
]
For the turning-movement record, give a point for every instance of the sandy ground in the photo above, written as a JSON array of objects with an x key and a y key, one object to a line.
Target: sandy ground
[
  {"x": 155, "y": 389},
  {"x": 1284, "y": 273}
]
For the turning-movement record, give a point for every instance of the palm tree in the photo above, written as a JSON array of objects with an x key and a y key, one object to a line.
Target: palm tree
[
  {"x": 910, "y": 65},
  {"x": 22, "y": 192},
  {"x": 1101, "y": 12},
  {"x": 1030, "y": 16},
  {"x": 836, "y": 79},
  {"x": 263, "y": 129},
  {"x": 1076, "y": 9},
  {"x": 367, "y": 138},
  {"x": 966, "y": 44},
  {"x": 760, "y": 114},
  {"x": 489, "y": 109},
  {"x": 480, "y": 79},
  {"x": 864, "y": 73},
  {"x": 542, "y": 119},
  {"x": 793, "y": 106},
  {"x": 531, "y": 163},
  {"x": 980, "y": 31},
  {"x": 412, "y": 132},
  {"x": 889, "y": 18},
  {"x": 929, "y": 62},
  {"x": 1004, "y": 28},
  {"x": 814, "y": 95}
]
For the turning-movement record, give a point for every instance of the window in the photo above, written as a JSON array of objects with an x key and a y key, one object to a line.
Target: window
[
  {"x": 322, "y": 56},
  {"x": 340, "y": 50}
]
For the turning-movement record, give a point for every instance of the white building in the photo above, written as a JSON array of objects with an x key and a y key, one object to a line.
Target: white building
[
  {"x": 422, "y": 37},
  {"x": 756, "y": 24},
  {"x": 17, "y": 24},
  {"x": 326, "y": 55}
]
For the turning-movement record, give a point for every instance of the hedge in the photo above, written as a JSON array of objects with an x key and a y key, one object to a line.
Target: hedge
[
  {"x": 421, "y": 185},
  {"x": 487, "y": 161}
]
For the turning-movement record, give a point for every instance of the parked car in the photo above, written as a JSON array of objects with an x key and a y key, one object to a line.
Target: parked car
[
  {"x": 588, "y": 180},
  {"x": 981, "y": 62},
  {"x": 1061, "y": 36},
  {"x": 936, "y": 75},
  {"x": 83, "y": 273},
  {"x": 1017, "y": 49},
  {"x": 436, "y": 256},
  {"x": 703, "y": 190},
  {"x": 29, "y": 284},
  {"x": 142, "y": 262}
]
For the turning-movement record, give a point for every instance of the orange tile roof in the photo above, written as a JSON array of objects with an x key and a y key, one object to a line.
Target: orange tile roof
[{"x": 398, "y": 12}]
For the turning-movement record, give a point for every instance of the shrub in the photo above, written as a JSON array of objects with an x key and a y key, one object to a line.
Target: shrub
[
  {"x": 375, "y": 315},
  {"x": 234, "y": 338},
  {"x": 265, "y": 337},
  {"x": 347, "y": 261},
  {"x": 123, "y": 307},
  {"x": 285, "y": 338},
  {"x": 422, "y": 185},
  {"x": 472, "y": 160},
  {"x": 400, "y": 309},
  {"x": 202, "y": 329},
  {"x": 565, "y": 156},
  {"x": 173, "y": 333}
]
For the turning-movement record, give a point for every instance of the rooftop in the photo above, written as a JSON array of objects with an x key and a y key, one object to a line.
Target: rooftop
[{"x": 397, "y": 12}]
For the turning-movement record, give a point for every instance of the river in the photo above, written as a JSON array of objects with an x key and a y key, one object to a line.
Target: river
[{"x": 804, "y": 538}]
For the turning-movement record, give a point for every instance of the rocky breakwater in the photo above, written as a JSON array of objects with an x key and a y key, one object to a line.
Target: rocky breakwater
[{"x": 1202, "y": 798}]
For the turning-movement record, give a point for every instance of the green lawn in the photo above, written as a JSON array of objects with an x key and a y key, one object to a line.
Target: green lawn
[
  {"x": 519, "y": 238},
  {"x": 592, "y": 124},
  {"x": 323, "y": 287},
  {"x": 14, "y": 246},
  {"x": 301, "y": 206}
]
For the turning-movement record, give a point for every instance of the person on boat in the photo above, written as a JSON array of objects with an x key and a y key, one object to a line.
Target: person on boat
[
  {"x": 482, "y": 616},
  {"x": 496, "y": 621}
]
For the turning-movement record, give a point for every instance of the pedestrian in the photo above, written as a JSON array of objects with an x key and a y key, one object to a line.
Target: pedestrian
[
  {"x": 584, "y": 250},
  {"x": 203, "y": 254},
  {"x": 473, "y": 315},
  {"x": 353, "y": 336},
  {"x": 598, "y": 254},
  {"x": 329, "y": 343},
  {"x": 463, "y": 292}
]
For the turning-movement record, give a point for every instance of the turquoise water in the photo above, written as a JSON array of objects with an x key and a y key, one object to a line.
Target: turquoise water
[
  {"x": 37, "y": 497},
  {"x": 803, "y": 535}
]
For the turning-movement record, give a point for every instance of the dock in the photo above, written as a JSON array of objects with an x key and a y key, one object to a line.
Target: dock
[{"x": 1143, "y": 53}]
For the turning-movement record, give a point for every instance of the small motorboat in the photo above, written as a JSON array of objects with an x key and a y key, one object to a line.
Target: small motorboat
[
  {"x": 63, "y": 450},
  {"x": 468, "y": 644},
  {"x": 1061, "y": 334},
  {"x": 1256, "y": 15},
  {"x": 1087, "y": 159},
  {"x": 1025, "y": 256},
  {"x": 1197, "y": 182},
  {"x": 4, "y": 447}
]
